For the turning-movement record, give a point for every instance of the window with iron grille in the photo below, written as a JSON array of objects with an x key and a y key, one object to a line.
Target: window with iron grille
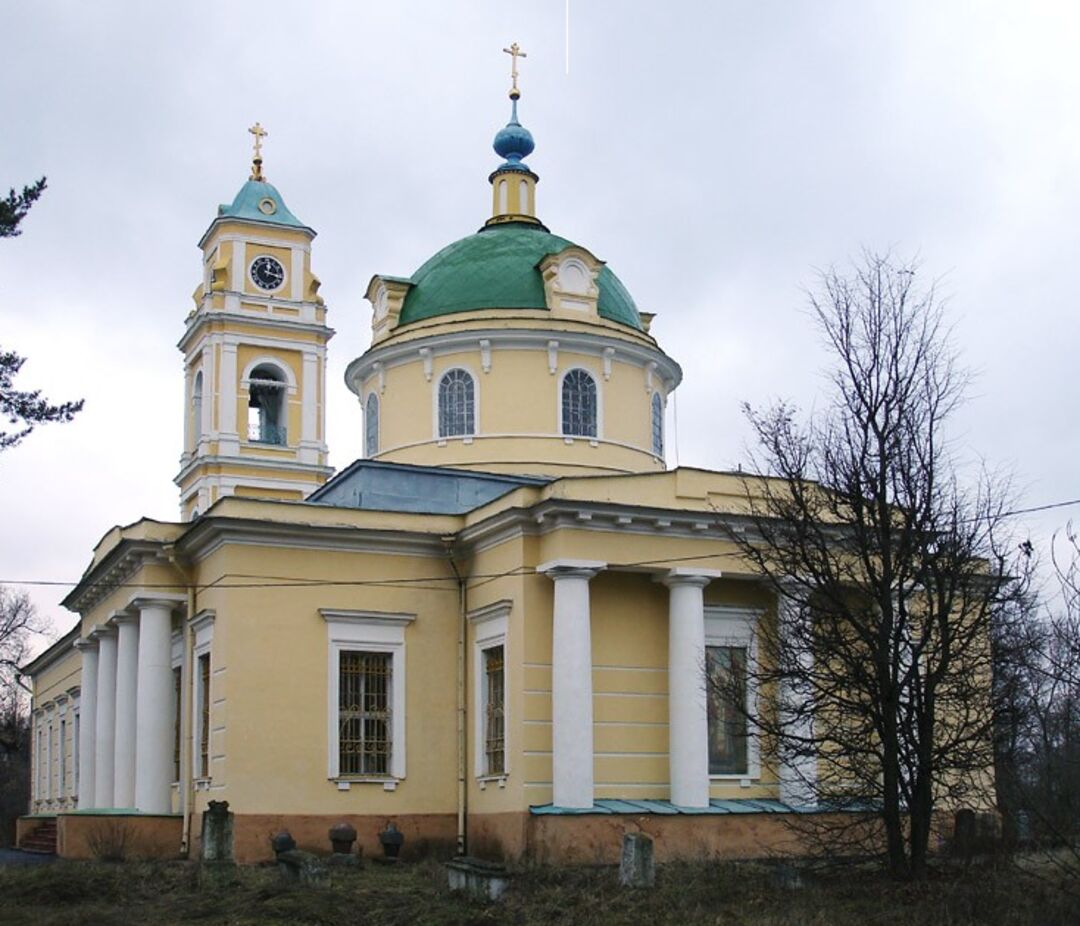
[
  {"x": 657, "y": 424},
  {"x": 371, "y": 425},
  {"x": 177, "y": 675},
  {"x": 364, "y": 713},
  {"x": 494, "y": 712},
  {"x": 579, "y": 404},
  {"x": 457, "y": 404},
  {"x": 728, "y": 734},
  {"x": 204, "y": 716}
]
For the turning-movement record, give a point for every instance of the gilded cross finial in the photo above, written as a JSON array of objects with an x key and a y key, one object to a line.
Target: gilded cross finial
[
  {"x": 256, "y": 162},
  {"x": 515, "y": 52}
]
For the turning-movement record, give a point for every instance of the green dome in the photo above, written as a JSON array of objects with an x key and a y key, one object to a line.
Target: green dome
[{"x": 497, "y": 268}]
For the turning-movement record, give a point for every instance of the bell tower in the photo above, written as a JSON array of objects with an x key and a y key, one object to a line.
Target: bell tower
[{"x": 254, "y": 356}]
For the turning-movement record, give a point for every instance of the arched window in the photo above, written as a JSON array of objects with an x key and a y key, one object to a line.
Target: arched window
[
  {"x": 196, "y": 408},
  {"x": 371, "y": 426},
  {"x": 266, "y": 405},
  {"x": 579, "y": 404},
  {"x": 457, "y": 404},
  {"x": 657, "y": 424}
]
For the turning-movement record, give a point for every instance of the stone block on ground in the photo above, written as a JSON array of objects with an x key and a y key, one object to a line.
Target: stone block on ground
[
  {"x": 636, "y": 868},
  {"x": 481, "y": 879},
  {"x": 304, "y": 867}
]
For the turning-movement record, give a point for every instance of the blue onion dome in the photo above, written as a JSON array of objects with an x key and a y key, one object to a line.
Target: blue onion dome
[{"x": 514, "y": 142}]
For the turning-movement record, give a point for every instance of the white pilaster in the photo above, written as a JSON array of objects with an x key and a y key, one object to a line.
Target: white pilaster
[
  {"x": 798, "y": 764},
  {"x": 688, "y": 719},
  {"x": 105, "y": 718},
  {"x": 127, "y": 661},
  {"x": 87, "y": 721},
  {"x": 309, "y": 396},
  {"x": 571, "y": 682},
  {"x": 153, "y": 717},
  {"x": 228, "y": 397}
]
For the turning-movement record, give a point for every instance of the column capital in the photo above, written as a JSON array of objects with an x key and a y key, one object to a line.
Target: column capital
[
  {"x": 556, "y": 569},
  {"x": 688, "y": 575},
  {"x": 102, "y": 632},
  {"x": 172, "y": 602},
  {"x": 124, "y": 617},
  {"x": 84, "y": 644}
]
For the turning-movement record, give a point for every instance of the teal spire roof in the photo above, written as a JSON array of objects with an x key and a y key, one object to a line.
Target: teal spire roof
[
  {"x": 498, "y": 268},
  {"x": 513, "y": 142},
  {"x": 259, "y": 201}
]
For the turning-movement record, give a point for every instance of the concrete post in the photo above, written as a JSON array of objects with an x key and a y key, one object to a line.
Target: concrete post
[
  {"x": 127, "y": 660},
  {"x": 688, "y": 719},
  {"x": 153, "y": 716},
  {"x": 105, "y": 717},
  {"x": 571, "y": 682},
  {"x": 87, "y": 721}
]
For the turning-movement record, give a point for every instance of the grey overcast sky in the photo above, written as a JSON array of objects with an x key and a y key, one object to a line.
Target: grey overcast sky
[{"x": 714, "y": 153}]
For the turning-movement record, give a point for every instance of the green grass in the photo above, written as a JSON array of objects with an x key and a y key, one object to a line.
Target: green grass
[{"x": 161, "y": 894}]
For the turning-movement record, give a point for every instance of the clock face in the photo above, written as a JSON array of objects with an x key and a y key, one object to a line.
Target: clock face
[{"x": 267, "y": 273}]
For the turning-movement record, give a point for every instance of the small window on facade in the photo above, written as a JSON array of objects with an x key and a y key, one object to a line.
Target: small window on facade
[
  {"x": 177, "y": 701},
  {"x": 75, "y": 728},
  {"x": 196, "y": 407},
  {"x": 728, "y": 735},
  {"x": 266, "y": 406},
  {"x": 371, "y": 425},
  {"x": 657, "y": 424},
  {"x": 364, "y": 729},
  {"x": 494, "y": 712},
  {"x": 579, "y": 404},
  {"x": 204, "y": 715},
  {"x": 63, "y": 757},
  {"x": 502, "y": 196},
  {"x": 457, "y": 404}
]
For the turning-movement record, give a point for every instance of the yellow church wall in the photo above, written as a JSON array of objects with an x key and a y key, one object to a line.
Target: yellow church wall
[
  {"x": 270, "y": 649},
  {"x": 51, "y": 702}
]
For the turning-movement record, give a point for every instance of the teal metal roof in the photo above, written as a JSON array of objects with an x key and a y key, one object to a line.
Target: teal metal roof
[
  {"x": 497, "y": 268},
  {"x": 716, "y": 806},
  {"x": 246, "y": 206}
]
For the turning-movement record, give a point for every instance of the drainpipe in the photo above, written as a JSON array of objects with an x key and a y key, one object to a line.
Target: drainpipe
[
  {"x": 187, "y": 784},
  {"x": 461, "y": 741}
]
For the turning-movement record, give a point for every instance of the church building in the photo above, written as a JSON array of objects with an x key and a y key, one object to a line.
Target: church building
[{"x": 492, "y": 631}]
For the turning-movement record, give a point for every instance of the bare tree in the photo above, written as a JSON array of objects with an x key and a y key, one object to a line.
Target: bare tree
[
  {"x": 887, "y": 568},
  {"x": 19, "y": 625}
]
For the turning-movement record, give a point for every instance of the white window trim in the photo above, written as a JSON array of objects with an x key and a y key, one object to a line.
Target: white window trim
[
  {"x": 202, "y": 631},
  {"x": 489, "y": 630},
  {"x": 727, "y": 626},
  {"x": 437, "y": 381},
  {"x": 662, "y": 452},
  {"x": 278, "y": 364},
  {"x": 599, "y": 406},
  {"x": 369, "y": 632}
]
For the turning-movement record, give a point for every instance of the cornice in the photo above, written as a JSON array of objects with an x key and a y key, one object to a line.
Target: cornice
[
  {"x": 212, "y": 533},
  {"x": 251, "y": 462},
  {"x": 394, "y": 354},
  {"x": 203, "y": 318},
  {"x": 118, "y": 565}
]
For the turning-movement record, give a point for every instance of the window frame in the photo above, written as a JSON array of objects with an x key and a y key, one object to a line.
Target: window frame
[
  {"x": 489, "y": 631},
  {"x": 370, "y": 632},
  {"x": 737, "y": 627},
  {"x": 656, "y": 424},
  {"x": 599, "y": 410},
  {"x": 371, "y": 431},
  {"x": 437, "y": 404},
  {"x": 202, "y": 628}
]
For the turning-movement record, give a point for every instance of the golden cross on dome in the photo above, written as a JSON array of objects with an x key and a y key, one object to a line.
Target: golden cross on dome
[
  {"x": 259, "y": 132},
  {"x": 515, "y": 52}
]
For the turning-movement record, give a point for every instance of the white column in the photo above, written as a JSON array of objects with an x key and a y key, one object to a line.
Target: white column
[
  {"x": 127, "y": 660},
  {"x": 688, "y": 719},
  {"x": 798, "y": 764},
  {"x": 87, "y": 721},
  {"x": 105, "y": 718},
  {"x": 153, "y": 718},
  {"x": 571, "y": 682}
]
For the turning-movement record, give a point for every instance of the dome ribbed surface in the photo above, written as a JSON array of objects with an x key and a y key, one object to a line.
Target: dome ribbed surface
[{"x": 497, "y": 268}]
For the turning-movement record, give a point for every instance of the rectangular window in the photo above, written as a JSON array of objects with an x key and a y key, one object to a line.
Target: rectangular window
[
  {"x": 728, "y": 735},
  {"x": 63, "y": 757},
  {"x": 364, "y": 713},
  {"x": 204, "y": 715},
  {"x": 75, "y": 746},
  {"x": 494, "y": 712},
  {"x": 177, "y": 701}
]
